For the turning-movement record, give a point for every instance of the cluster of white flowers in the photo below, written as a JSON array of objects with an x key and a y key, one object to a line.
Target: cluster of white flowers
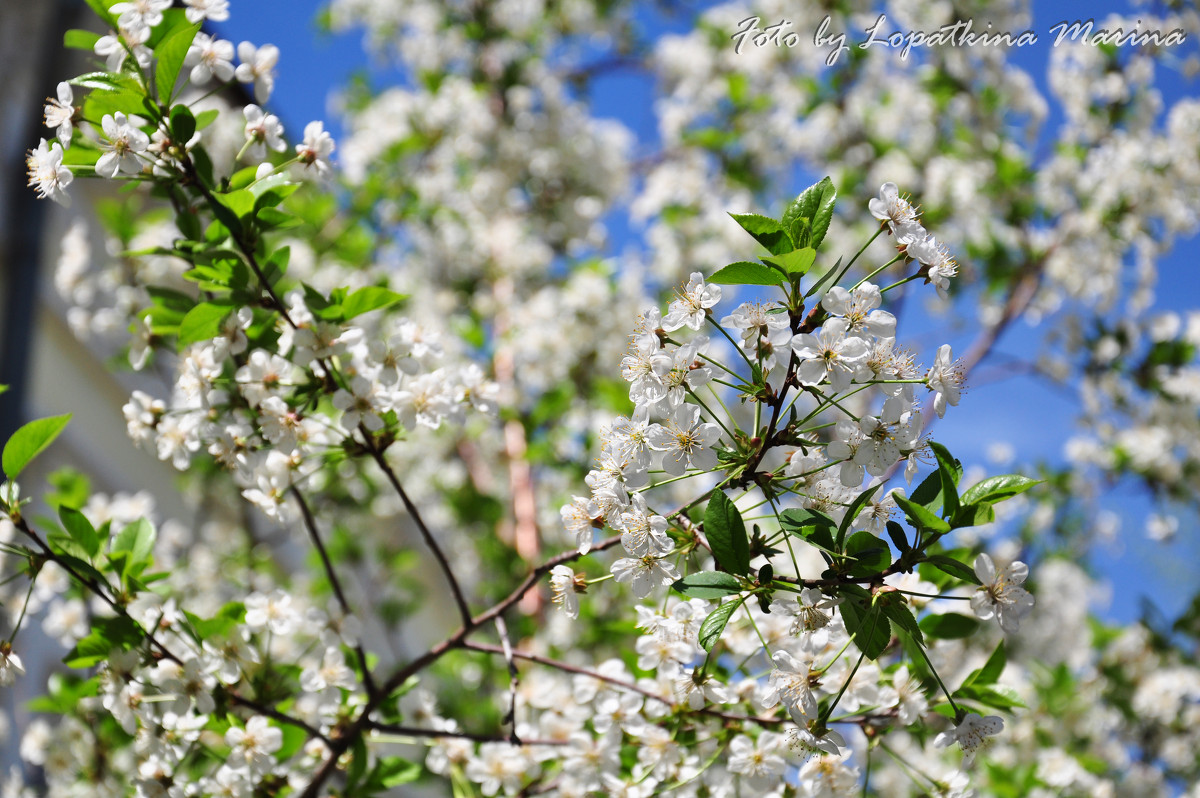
[{"x": 240, "y": 405}]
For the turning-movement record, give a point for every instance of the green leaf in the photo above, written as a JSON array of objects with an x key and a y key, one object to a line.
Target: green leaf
[
  {"x": 708, "y": 585},
  {"x": 807, "y": 218},
  {"x": 30, "y": 441},
  {"x": 997, "y": 489},
  {"x": 949, "y": 472},
  {"x": 294, "y": 739},
  {"x": 852, "y": 512},
  {"x": 826, "y": 277},
  {"x": 224, "y": 622},
  {"x": 999, "y": 696},
  {"x": 714, "y": 624},
  {"x": 898, "y": 613},
  {"x": 81, "y": 530},
  {"x": 80, "y": 40},
  {"x": 766, "y": 231},
  {"x": 393, "y": 771},
  {"x": 364, "y": 300},
  {"x": 171, "y": 53},
  {"x": 203, "y": 322},
  {"x": 106, "y": 634},
  {"x": 746, "y": 273},
  {"x": 129, "y": 102},
  {"x": 871, "y": 554},
  {"x": 973, "y": 515},
  {"x": 921, "y": 517},
  {"x": 991, "y": 670},
  {"x": 797, "y": 518},
  {"x": 206, "y": 118},
  {"x": 726, "y": 534},
  {"x": 183, "y": 124},
  {"x": 870, "y": 627},
  {"x": 950, "y": 565},
  {"x": 136, "y": 540},
  {"x": 100, "y": 7},
  {"x": 796, "y": 263},
  {"x": 899, "y": 539},
  {"x": 950, "y": 626}
]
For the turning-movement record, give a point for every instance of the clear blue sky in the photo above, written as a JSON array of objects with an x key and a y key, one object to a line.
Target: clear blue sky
[{"x": 313, "y": 65}]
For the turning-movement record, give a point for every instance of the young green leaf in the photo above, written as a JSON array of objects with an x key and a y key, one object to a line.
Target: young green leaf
[
  {"x": 973, "y": 515},
  {"x": 81, "y": 530},
  {"x": 807, "y": 218},
  {"x": 30, "y": 441},
  {"x": 870, "y": 627},
  {"x": 870, "y": 553},
  {"x": 708, "y": 585},
  {"x": 766, "y": 231},
  {"x": 921, "y": 517},
  {"x": 901, "y": 616},
  {"x": 726, "y": 534},
  {"x": 364, "y": 300},
  {"x": 997, "y": 489},
  {"x": 852, "y": 512},
  {"x": 950, "y": 626},
  {"x": 991, "y": 669},
  {"x": 899, "y": 540},
  {"x": 203, "y": 322},
  {"x": 796, "y": 519},
  {"x": 76, "y": 39},
  {"x": 796, "y": 262},
  {"x": 746, "y": 273},
  {"x": 714, "y": 624},
  {"x": 171, "y": 53},
  {"x": 951, "y": 566},
  {"x": 136, "y": 541},
  {"x": 949, "y": 471}
]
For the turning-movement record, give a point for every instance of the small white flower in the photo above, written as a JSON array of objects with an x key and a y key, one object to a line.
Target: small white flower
[
  {"x": 60, "y": 113},
  {"x": 254, "y": 744},
  {"x": 124, "y": 142},
  {"x": 47, "y": 175},
  {"x": 116, "y": 46},
  {"x": 945, "y": 378},
  {"x": 971, "y": 734},
  {"x": 1001, "y": 594},
  {"x": 210, "y": 57},
  {"x": 831, "y": 355},
  {"x": 789, "y": 683},
  {"x": 10, "y": 666},
  {"x": 691, "y": 308},
  {"x": 258, "y": 67},
  {"x": 215, "y": 10},
  {"x": 562, "y": 584},
  {"x": 644, "y": 573},
  {"x": 316, "y": 148},
  {"x": 685, "y": 442}
]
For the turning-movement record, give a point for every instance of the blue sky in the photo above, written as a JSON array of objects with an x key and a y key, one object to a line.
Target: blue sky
[{"x": 313, "y": 65}]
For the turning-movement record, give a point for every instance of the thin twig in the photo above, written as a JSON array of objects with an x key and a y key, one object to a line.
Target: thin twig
[
  {"x": 410, "y": 731},
  {"x": 457, "y": 640},
  {"x": 514, "y": 679},
  {"x": 463, "y": 610},
  {"x": 310, "y": 523}
]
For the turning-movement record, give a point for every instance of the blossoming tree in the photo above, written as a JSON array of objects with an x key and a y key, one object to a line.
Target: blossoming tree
[{"x": 416, "y": 427}]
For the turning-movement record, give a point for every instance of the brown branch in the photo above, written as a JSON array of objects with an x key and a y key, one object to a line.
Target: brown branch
[
  {"x": 410, "y": 731},
  {"x": 456, "y": 641},
  {"x": 567, "y": 667},
  {"x": 310, "y": 524},
  {"x": 263, "y": 709},
  {"x": 463, "y": 610},
  {"x": 165, "y": 652}
]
